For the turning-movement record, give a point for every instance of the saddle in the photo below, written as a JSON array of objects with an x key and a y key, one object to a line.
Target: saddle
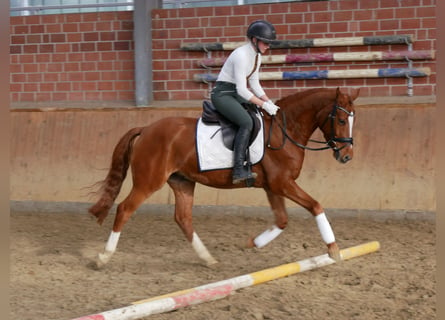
[{"x": 211, "y": 116}]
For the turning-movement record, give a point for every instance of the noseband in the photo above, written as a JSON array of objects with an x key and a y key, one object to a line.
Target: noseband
[{"x": 331, "y": 143}]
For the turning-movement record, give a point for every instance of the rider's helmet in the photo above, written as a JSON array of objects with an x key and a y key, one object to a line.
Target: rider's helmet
[{"x": 262, "y": 30}]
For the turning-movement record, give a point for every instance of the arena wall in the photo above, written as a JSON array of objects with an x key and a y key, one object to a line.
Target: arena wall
[
  {"x": 60, "y": 60},
  {"x": 57, "y": 155}
]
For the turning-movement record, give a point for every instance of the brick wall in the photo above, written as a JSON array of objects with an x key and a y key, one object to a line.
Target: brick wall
[
  {"x": 174, "y": 69},
  {"x": 72, "y": 57},
  {"x": 90, "y": 56}
]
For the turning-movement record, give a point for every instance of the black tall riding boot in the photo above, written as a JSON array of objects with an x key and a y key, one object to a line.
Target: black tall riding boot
[{"x": 240, "y": 172}]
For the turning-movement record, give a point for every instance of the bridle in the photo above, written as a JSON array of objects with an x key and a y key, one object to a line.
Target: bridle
[{"x": 330, "y": 144}]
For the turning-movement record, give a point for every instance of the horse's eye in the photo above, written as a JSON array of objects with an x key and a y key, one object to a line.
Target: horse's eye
[{"x": 342, "y": 122}]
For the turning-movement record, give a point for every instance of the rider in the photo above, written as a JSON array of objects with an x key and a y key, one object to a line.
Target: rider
[{"x": 231, "y": 90}]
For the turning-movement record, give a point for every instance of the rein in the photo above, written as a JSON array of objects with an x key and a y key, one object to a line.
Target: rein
[{"x": 331, "y": 144}]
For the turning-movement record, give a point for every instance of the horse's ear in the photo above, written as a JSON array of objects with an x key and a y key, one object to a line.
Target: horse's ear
[
  {"x": 354, "y": 94},
  {"x": 337, "y": 93}
]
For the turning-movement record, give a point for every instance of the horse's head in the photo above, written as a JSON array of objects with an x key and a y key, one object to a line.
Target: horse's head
[{"x": 336, "y": 122}]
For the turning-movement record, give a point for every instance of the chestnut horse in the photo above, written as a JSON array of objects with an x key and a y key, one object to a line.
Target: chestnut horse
[{"x": 165, "y": 151}]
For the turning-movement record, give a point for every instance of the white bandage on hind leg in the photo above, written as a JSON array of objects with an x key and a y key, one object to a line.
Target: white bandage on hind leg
[
  {"x": 112, "y": 241},
  {"x": 201, "y": 250},
  {"x": 267, "y": 236},
  {"x": 325, "y": 228}
]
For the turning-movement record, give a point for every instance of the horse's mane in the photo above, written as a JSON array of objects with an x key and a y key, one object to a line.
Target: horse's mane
[{"x": 299, "y": 98}]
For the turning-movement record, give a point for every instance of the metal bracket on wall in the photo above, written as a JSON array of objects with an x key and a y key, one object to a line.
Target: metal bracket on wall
[
  {"x": 410, "y": 83},
  {"x": 209, "y": 84}
]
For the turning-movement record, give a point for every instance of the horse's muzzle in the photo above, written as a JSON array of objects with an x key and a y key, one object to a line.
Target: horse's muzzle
[{"x": 342, "y": 158}]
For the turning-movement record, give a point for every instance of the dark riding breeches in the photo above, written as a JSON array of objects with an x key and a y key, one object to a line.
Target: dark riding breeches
[{"x": 228, "y": 103}]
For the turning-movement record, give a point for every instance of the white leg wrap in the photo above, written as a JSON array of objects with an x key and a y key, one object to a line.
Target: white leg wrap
[
  {"x": 267, "y": 236},
  {"x": 113, "y": 239},
  {"x": 201, "y": 250},
  {"x": 325, "y": 228},
  {"x": 110, "y": 248}
]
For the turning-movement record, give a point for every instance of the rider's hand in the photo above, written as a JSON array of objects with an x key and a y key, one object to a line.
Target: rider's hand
[{"x": 270, "y": 107}]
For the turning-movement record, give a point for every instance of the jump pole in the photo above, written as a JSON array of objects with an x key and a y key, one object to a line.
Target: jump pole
[
  {"x": 222, "y": 289},
  {"x": 305, "y": 43},
  {"x": 330, "y": 74},
  {"x": 332, "y": 56}
]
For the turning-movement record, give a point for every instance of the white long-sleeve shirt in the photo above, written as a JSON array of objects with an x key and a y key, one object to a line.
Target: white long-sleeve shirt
[{"x": 238, "y": 66}]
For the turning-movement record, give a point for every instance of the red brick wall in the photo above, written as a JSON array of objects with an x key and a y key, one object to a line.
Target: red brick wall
[
  {"x": 174, "y": 69},
  {"x": 72, "y": 57},
  {"x": 90, "y": 56}
]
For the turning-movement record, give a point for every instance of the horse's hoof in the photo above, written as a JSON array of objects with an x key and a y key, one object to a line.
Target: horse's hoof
[
  {"x": 212, "y": 262},
  {"x": 98, "y": 265},
  {"x": 250, "y": 244},
  {"x": 334, "y": 252},
  {"x": 103, "y": 258}
]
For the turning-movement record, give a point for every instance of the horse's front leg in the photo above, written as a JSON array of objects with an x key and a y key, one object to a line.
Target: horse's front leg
[
  {"x": 328, "y": 236},
  {"x": 184, "y": 191},
  {"x": 292, "y": 191},
  {"x": 281, "y": 218}
]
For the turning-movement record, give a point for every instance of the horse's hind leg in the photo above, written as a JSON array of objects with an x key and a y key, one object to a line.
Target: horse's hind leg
[
  {"x": 281, "y": 218},
  {"x": 184, "y": 191},
  {"x": 124, "y": 211}
]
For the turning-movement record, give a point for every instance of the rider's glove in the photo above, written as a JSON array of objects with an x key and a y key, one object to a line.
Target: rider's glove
[{"x": 270, "y": 107}]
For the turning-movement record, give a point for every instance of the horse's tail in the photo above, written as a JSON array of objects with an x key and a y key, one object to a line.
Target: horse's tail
[{"x": 111, "y": 186}]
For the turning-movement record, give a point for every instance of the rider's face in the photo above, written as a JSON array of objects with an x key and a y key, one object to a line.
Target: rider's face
[{"x": 263, "y": 46}]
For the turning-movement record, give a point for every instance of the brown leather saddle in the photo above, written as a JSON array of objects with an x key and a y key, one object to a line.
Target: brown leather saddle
[{"x": 211, "y": 116}]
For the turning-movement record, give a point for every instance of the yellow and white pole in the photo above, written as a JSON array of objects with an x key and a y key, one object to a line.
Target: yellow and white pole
[{"x": 221, "y": 289}]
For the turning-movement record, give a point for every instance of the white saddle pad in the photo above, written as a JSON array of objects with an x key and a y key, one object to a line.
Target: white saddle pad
[{"x": 213, "y": 154}]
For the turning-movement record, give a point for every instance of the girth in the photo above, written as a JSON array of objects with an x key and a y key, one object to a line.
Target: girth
[{"x": 211, "y": 116}]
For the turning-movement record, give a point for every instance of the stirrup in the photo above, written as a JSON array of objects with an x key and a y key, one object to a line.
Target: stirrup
[
  {"x": 247, "y": 175},
  {"x": 250, "y": 181}
]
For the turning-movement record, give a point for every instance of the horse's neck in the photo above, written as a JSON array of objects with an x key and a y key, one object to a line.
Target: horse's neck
[{"x": 302, "y": 121}]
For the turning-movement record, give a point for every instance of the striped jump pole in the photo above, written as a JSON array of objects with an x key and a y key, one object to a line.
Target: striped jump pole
[
  {"x": 331, "y": 74},
  {"x": 221, "y": 289},
  {"x": 331, "y": 57},
  {"x": 305, "y": 43}
]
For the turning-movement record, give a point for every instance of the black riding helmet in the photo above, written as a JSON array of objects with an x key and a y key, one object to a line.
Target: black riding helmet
[{"x": 262, "y": 30}]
